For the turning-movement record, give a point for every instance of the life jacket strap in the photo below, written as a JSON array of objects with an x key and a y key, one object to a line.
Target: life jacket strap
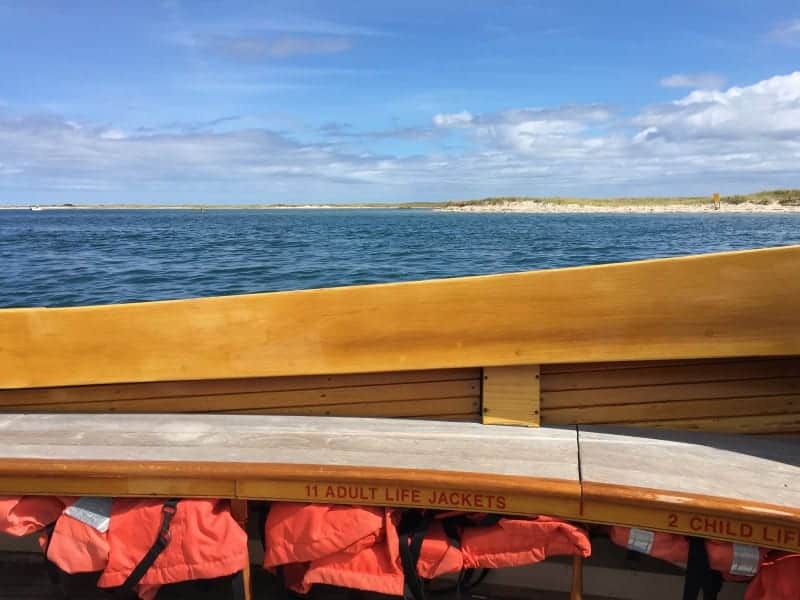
[
  {"x": 237, "y": 586},
  {"x": 467, "y": 577},
  {"x": 414, "y": 525},
  {"x": 699, "y": 574},
  {"x": 168, "y": 511},
  {"x": 53, "y": 572}
]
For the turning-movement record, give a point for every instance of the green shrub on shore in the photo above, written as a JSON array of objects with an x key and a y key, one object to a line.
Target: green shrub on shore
[{"x": 780, "y": 197}]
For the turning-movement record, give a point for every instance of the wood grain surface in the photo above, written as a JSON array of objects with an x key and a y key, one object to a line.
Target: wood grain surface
[{"x": 723, "y": 305}]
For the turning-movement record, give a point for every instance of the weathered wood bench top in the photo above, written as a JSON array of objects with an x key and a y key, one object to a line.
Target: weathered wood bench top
[
  {"x": 765, "y": 470},
  {"x": 743, "y": 489},
  {"x": 323, "y": 441}
]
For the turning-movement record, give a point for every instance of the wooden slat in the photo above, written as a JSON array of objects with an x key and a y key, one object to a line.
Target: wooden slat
[
  {"x": 439, "y": 407},
  {"x": 511, "y": 395},
  {"x": 724, "y": 305},
  {"x": 170, "y": 389},
  {"x": 276, "y": 399},
  {"x": 655, "y": 373},
  {"x": 779, "y": 423},
  {"x": 464, "y": 418},
  {"x": 686, "y": 409},
  {"x": 589, "y": 367},
  {"x": 671, "y": 393}
]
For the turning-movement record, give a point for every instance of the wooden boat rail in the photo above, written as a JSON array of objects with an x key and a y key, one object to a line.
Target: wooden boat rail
[
  {"x": 736, "y": 304},
  {"x": 706, "y": 343}
]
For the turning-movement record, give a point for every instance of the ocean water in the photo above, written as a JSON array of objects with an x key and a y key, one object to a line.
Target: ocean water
[{"x": 69, "y": 258}]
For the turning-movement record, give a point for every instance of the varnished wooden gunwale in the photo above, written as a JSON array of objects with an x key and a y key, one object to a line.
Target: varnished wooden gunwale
[
  {"x": 666, "y": 500},
  {"x": 226, "y": 471},
  {"x": 723, "y": 305}
]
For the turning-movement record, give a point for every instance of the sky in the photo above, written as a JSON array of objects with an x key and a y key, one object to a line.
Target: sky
[{"x": 304, "y": 101}]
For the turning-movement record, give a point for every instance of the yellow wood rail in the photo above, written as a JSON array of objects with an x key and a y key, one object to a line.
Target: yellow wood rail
[
  {"x": 723, "y": 305},
  {"x": 755, "y": 523}
]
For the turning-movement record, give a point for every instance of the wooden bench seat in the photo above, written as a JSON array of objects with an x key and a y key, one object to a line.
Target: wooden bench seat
[{"x": 724, "y": 487}]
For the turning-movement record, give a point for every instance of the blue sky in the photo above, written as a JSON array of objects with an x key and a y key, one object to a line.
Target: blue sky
[{"x": 319, "y": 101}]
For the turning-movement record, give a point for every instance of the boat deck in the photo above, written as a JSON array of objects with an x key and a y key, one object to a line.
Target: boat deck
[{"x": 717, "y": 486}]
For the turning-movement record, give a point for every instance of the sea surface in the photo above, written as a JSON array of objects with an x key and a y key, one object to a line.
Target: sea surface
[{"x": 78, "y": 257}]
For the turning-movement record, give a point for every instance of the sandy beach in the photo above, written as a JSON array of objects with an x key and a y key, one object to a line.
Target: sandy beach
[{"x": 531, "y": 206}]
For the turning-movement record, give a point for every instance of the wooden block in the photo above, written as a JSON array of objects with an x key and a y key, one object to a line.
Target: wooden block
[{"x": 511, "y": 395}]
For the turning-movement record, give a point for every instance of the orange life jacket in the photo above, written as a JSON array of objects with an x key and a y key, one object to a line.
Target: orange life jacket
[
  {"x": 734, "y": 561},
  {"x": 297, "y": 533},
  {"x": 380, "y": 567},
  {"x": 22, "y": 515},
  {"x": 201, "y": 541},
  {"x": 336, "y": 545},
  {"x": 777, "y": 579},
  {"x": 76, "y": 547},
  {"x": 670, "y": 547},
  {"x": 515, "y": 542},
  {"x": 382, "y": 550}
]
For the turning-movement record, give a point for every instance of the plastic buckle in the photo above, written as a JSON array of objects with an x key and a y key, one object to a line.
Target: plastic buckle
[{"x": 167, "y": 512}]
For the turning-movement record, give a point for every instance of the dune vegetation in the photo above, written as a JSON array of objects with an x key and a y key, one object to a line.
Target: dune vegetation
[{"x": 765, "y": 198}]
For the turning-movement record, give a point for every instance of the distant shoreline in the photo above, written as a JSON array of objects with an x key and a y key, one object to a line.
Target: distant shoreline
[
  {"x": 516, "y": 208},
  {"x": 199, "y": 207},
  {"x": 546, "y": 208},
  {"x": 775, "y": 201}
]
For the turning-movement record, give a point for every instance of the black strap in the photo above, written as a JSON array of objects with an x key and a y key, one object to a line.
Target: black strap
[
  {"x": 699, "y": 575},
  {"x": 237, "y": 586},
  {"x": 413, "y": 526},
  {"x": 162, "y": 540},
  {"x": 53, "y": 572},
  {"x": 467, "y": 578}
]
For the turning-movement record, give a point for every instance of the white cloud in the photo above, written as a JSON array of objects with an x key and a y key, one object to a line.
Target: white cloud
[
  {"x": 112, "y": 134},
  {"x": 256, "y": 38},
  {"x": 452, "y": 119},
  {"x": 700, "y": 81},
  {"x": 50, "y": 153},
  {"x": 787, "y": 33},
  {"x": 748, "y": 134},
  {"x": 250, "y": 48},
  {"x": 767, "y": 109}
]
